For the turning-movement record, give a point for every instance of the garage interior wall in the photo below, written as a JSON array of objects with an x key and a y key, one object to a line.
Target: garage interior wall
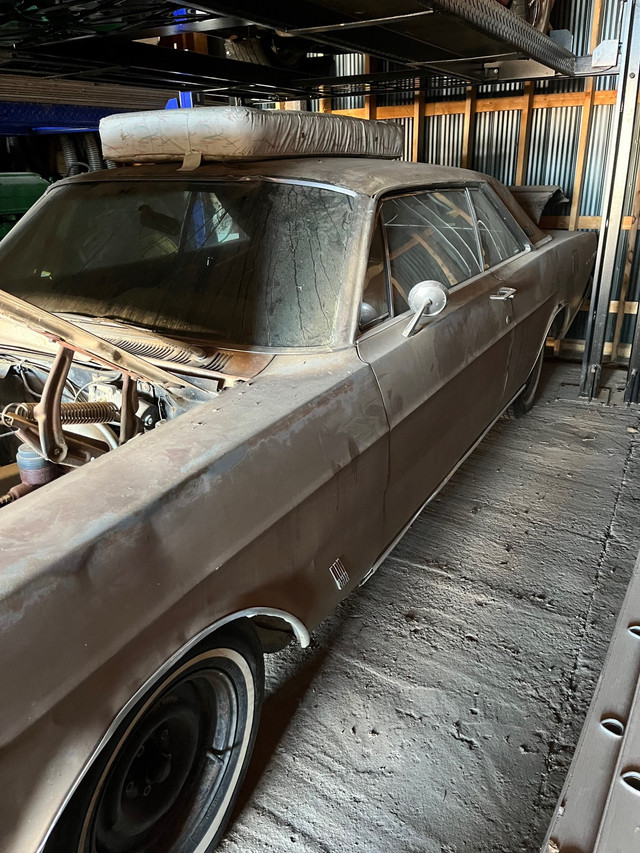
[{"x": 547, "y": 131}]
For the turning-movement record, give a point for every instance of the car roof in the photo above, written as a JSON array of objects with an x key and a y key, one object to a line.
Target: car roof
[{"x": 368, "y": 177}]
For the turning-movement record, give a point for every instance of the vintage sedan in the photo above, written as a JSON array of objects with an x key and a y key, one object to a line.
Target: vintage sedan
[{"x": 225, "y": 394}]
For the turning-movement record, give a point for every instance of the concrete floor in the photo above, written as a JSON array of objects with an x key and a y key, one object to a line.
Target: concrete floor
[{"x": 437, "y": 710}]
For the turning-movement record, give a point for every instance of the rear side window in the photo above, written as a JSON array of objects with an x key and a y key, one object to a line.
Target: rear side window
[
  {"x": 431, "y": 235},
  {"x": 496, "y": 236}
]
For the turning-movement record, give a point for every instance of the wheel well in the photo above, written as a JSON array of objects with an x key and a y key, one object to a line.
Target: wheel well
[
  {"x": 238, "y": 636},
  {"x": 275, "y": 630}
]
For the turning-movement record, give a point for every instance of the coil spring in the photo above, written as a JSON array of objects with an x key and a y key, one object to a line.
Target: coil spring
[{"x": 78, "y": 413}]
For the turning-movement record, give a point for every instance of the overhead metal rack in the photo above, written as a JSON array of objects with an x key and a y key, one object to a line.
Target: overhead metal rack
[{"x": 471, "y": 40}]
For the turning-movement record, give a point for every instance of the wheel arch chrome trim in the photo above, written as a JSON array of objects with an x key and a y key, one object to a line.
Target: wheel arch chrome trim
[{"x": 300, "y": 632}]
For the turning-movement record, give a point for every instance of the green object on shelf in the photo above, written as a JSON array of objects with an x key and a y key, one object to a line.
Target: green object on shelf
[{"x": 18, "y": 191}]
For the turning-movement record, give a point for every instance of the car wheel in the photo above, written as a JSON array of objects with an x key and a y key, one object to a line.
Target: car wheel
[
  {"x": 527, "y": 397},
  {"x": 172, "y": 772}
]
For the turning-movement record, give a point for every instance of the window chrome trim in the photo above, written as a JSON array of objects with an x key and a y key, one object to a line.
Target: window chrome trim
[
  {"x": 498, "y": 205},
  {"x": 492, "y": 197},
  {"x": 193, "y": 178}
]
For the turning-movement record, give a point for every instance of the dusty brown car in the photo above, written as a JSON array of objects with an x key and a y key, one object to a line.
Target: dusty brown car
[{"x": 229, "y": 392}]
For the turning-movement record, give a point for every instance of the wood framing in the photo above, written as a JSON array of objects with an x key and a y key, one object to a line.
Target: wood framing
[
  {"x": 469, "y": 129},
  {"x": 417, "y": 137},
  {"x": 490, "y": 104},
  {"x": 370, "y": 102},
  {"x": 525, "y": 132},
  {"x": 585, "y": 122}
]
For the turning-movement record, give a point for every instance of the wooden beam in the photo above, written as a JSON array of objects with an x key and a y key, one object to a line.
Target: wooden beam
[
  {"x": 577, "y": 347},
  {"x": 585, "y": 123},
  {"x": 355, "y": 113},
  {"x": 417, "y": 138},
  {"x": 584, "y": 222},
  {"x": 469, "y": 129},
  {"x": 396, "y": 111},
  {"x": 324, "y": 104},
  {"x": 493, "y": 104},
  {"x": 581, "y": 161},
  {"x": 443, "y": 108},
  {"x": 525, "y": 132}
]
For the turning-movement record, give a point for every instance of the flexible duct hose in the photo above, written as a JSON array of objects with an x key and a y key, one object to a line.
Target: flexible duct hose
[
  {"x": 94, "y": 156},
  {"x": 70, "y": 155}
]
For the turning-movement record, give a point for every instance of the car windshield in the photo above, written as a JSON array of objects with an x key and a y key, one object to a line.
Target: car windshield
[{"x": 250, "y": 262}]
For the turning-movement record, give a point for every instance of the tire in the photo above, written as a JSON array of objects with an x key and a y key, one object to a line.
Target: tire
[
  {"x": 527, "y": 397},
  {"x": 286, "y": 53},
  {"x": 168, "y": 780},
  {"x": 247, "y": 50}
]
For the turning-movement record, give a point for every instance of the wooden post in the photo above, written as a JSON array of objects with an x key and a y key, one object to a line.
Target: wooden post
[
  {"x": 370, "y": 105},
  {"x": 197, "y": 42},
  {"x": 585, "y": 122},
  {"x": 417, "y": 140},
  {"x": 469, "y": 128},
  {"x": 526, "y": 116}
]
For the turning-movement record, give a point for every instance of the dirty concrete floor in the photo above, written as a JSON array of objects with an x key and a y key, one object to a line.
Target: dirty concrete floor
[{"x": 437, "y": 710}]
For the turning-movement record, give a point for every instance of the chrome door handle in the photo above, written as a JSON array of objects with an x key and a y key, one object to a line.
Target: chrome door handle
[{"x": 503, "y": 294}]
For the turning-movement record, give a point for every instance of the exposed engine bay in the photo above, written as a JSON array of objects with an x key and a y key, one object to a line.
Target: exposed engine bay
[
  {"x": 57, "y": 416},
  {"x": 68, "y": 396}
]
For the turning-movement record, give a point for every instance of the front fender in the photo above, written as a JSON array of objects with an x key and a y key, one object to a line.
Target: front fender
[{"x": 242, "y": 503}]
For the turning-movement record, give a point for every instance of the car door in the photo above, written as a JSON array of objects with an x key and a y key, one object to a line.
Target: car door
[
  {"x": 530, "y": 273},
  {"x": 443, "y": 386}
]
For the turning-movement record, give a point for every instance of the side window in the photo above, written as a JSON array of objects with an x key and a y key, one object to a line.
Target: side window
[
  {"x": 497, "y": 239},
  {"x": 431, "y": 235},
  {"x": 375, "y": 302}
]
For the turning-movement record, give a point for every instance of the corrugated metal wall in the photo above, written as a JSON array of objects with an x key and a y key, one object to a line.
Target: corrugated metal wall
[
  {"x": 495, "y": 149},
  {"x": 443, "y": 139},
  {"x": 596, "y": 159},
  {"x": 347, "y": 65}
]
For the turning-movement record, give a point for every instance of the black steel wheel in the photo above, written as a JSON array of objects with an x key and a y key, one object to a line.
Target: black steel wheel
[
  {"x": 171, "y": 774},
  {"x": 527, "y": 397}
]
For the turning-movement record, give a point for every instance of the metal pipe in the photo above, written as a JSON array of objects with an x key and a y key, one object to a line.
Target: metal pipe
[
  {"x": 619, "y": 164},
  {"x": 352, "y": 25}
]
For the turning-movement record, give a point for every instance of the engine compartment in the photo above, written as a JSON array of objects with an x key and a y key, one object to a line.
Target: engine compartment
[{"x": 60, "y": 413}]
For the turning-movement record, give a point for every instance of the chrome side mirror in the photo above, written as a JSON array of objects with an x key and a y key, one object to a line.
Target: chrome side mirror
[{"x": 426, "y": 299}]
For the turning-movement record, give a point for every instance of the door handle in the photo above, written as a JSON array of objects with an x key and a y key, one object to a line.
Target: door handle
[{"x": 503, "y": 294}]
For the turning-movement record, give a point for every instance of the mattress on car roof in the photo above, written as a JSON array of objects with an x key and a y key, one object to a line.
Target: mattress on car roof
[{"x": 242, "y": 133}]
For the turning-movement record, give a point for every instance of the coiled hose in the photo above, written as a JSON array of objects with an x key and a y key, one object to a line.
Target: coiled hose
[
  {"x": 71, "y": 162},
  {"x": 94, "y": 156}
]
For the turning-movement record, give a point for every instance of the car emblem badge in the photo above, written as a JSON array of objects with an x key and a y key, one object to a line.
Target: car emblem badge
[{"x": 339, "y": 573}]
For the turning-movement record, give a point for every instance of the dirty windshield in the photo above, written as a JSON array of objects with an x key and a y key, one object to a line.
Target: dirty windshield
[{"x": 249, "y": 262}]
